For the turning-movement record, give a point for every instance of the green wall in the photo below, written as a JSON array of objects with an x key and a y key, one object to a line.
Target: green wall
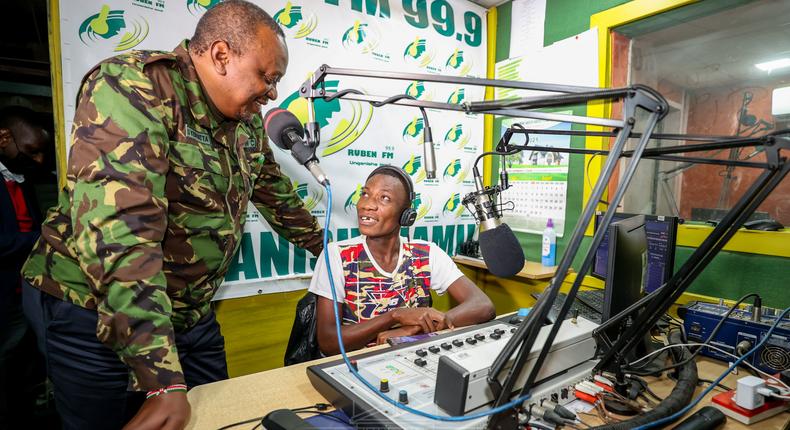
[{"x": 731, "y": 274}]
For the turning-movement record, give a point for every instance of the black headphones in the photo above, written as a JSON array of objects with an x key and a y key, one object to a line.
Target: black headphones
[{"x": 409, "y": 214}]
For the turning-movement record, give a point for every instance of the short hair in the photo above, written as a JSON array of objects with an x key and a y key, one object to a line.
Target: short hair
[
  {"x": 388, "y": 170},
  {"x": 13, "y": 116},
  {"x": 232, "y": 21}
]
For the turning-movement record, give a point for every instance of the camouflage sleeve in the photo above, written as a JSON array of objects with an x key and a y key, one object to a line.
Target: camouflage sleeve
[
  {"x": 277, "y": 201},
  {"x": 117, "y": 171}
]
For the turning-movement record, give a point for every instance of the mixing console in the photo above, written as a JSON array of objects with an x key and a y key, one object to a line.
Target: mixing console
[{"x": 408, "y": 374}]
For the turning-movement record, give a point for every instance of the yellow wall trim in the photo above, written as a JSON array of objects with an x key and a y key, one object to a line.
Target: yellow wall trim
[
  {"x": 488, "y": 120},
  {"x": 57, "y": 89}
]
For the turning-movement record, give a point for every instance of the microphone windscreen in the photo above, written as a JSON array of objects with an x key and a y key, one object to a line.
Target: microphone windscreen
[
  {"x": 277, "y": 122},
  {"x": 501, "y": 251}
]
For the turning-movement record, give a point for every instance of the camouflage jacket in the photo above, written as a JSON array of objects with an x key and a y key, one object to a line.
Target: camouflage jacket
[{"x": 154, "y": 207}]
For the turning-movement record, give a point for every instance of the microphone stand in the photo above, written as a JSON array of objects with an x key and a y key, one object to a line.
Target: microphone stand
[{"x": 633, "y": 97}]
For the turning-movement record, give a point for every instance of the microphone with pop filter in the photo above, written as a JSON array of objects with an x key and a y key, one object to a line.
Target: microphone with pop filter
[
  {"x": 285, "y": 130},
  {"x": 501, "y": 251}
]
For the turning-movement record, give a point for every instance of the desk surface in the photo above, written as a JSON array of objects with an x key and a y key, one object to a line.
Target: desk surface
[
  {"x": 246, "y": 397},
  {"x": 531, "y": 270}
]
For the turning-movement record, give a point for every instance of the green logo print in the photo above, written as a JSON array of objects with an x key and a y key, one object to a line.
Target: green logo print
[
  {"x": 417, "y": 52},
  {"x": 353, "y": 198},
  {"x": 458, "y": 63},
  {"x": 360, "y": 37},
  {"x": 412, "y": 133},
  {"x": 107, "y": 24},
  {"x": 422, "y": 204},
  {"x": 309, "y": 198},
  {"x": 455, "y": 171},
  {"x": 414, "y": 168},
  {"x": 457, "y": 96},
  {"x": 416, "y": 89},
  {"x": 345, "y": 122},
  {"x": 294, "y": 21},
  {"x": 453, "y": 205},
  {"x": 197, "y": 7},
  {"x": 457, "y": 136}
]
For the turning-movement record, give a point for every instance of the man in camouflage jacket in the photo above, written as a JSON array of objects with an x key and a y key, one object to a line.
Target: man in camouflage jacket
[{"x": 167, "y": 150}]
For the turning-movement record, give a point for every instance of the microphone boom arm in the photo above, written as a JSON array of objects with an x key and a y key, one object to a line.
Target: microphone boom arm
[{"x": 634, "y": 97}]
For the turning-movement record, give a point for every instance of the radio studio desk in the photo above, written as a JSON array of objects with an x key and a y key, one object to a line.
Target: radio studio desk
[{"x": 238, "y": 399}]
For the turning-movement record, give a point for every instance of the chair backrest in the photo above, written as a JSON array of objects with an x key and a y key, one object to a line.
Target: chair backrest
[{"x": 303, "y": 343}]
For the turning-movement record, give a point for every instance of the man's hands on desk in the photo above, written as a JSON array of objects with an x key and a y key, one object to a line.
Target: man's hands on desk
[
  {"x": 429, "y": 319},
  {"x": 414, "y": 321},
  {"x": 168, "y": 411}
]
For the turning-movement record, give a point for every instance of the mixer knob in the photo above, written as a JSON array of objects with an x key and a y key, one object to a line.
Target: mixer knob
[
  {"x": 384, "y": 385},
  {"x": 420, "y": 362},
  {"x": 479, "y": 336},
  {"x": 447, "y": 346},
  {"x": 458, "y": 342},
  {"x": 434, "y": 349},
  {"x": 495, "y": 335},
  {"x": 421, "y": 352},
  {"x": 471, "y": 341},
  {"x": 403, "y": 397}
]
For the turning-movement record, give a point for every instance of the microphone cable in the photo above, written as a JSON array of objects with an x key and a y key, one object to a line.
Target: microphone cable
[{"x": 512, "y": 404}]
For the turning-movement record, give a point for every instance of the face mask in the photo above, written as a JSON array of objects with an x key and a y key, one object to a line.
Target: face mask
[{"x": 21, "y": 164}]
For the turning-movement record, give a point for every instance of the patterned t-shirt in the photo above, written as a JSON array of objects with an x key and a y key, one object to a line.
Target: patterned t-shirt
[{"x": 368, "y": 291}]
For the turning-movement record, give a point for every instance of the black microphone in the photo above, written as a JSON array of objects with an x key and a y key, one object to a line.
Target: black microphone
[
  {"x": 501, "y": 251},
  {"x": 285, "y": 130}
]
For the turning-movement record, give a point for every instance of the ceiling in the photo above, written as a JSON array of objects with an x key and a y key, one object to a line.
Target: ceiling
[{"x": 719, "y": 49}]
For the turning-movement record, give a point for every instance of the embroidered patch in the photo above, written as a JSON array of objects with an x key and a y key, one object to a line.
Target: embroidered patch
[{"x": 197, "y": 135}]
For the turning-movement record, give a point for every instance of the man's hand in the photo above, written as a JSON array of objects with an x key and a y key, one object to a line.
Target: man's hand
[
  {"x": 168, "y": 411},
  {"x": 408, "y": 330},
  {"x": 429, "y": 319}
]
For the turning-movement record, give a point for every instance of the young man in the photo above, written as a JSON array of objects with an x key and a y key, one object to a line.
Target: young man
[
  {"x": 168, "y": 148},
  {"x": 383, "y": 281}
]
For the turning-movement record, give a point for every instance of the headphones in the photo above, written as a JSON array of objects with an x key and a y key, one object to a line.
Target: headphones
[{"x": 409, "y": 214}]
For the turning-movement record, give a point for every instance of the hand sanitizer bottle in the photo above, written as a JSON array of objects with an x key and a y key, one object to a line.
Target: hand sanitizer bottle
[{"x": 549, "y": 248}]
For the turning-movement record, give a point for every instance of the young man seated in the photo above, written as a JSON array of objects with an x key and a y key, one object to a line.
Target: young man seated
[{"x": 383, "y": 280}]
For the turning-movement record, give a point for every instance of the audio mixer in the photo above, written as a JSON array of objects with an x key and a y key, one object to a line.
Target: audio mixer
[{"x": 445, "y": 375}]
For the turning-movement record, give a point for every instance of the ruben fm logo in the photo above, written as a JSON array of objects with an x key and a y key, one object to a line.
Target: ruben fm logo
[
  {"x": 197, "y": 7},
  {"x": 453, "y": 206},
  {"x": 414, "y": 168},
  {"x": 456, "y": 172},
  {"x": 417, "y": 53},
  {"x": 412, "y": 132},
  {"x": 343, "y": 123},
  {"x": 295, "y": 21},
  {"x": 309, "y": 197},
  {"x": 458, "y": 63},
  {"x": 109, "y": 25},
  {"x": 457, "y": 136},
  {"x": 361, "y": 37}
]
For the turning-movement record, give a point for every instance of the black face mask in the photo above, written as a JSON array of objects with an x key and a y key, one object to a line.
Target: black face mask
[{"x": 22, "y": 164}]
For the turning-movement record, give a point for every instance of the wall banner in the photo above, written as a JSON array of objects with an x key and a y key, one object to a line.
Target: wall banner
[{"x": 435, "y": 36}]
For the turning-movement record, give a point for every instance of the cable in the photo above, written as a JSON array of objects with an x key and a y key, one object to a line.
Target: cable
[
  {"x": 708, "y": 381},
  {"x": 706, "y": 342},
  {"x": 326, "y": 415},
  {"x": 539, "y": 426},
  {"x": 512, "y": 404},
  {"x": 258, "y": 420},
  {"x": 767, "y": 375},
  {"x": 705, "y": 392}
]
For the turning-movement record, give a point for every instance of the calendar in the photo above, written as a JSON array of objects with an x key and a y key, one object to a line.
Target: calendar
[{"x": 538, "y": 180}]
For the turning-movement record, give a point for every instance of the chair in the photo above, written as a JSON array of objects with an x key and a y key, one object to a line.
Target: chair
[{"x": 303, "y": 343}]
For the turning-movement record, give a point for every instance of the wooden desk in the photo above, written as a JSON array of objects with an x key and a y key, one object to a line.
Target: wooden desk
[
  {"x": 531, "y": 270},
  {"x": 239, "y": 399}
]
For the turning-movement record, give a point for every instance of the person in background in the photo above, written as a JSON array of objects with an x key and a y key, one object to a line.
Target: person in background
[
  {"x": 23, "y": 143},
  {"x": 384, "y": 281},
  {"x": 167, "y": 150}
]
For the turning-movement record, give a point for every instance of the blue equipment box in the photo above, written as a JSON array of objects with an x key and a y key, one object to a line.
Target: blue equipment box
[{"x": 739, "y": 334}]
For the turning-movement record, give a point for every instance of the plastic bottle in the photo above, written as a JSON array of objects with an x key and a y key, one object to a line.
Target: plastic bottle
[{"x": 548, "y": 255}]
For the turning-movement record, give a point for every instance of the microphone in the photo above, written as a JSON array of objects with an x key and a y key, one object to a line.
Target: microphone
[
  {"x": 429, "y": 156},
  {"x": 285, "y": 130},
  {"x": 501, "y": 251}
]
